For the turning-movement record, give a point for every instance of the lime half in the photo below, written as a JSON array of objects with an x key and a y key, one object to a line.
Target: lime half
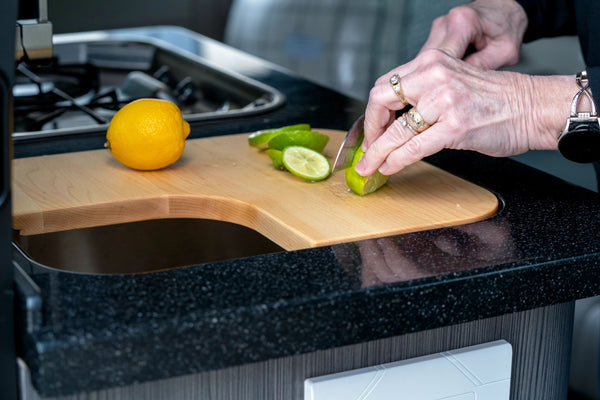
[
  {"x": 363, "y": 185},
  {"x": 311, "y": 139},
  {"x": 306, "y": 163},
  {"x": 276, "y": 157},
  {"x": 261, "y": 138}
]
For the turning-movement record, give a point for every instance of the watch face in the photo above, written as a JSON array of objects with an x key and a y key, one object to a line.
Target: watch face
[{"x": 581, "y": 142}]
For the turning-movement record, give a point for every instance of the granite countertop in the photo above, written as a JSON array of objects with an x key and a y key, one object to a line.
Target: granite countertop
[{"x": 89, "y": 332}]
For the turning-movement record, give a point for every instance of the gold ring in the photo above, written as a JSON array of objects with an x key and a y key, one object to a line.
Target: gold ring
[
  {"x": 395, "y": 82},
  {"x": 416, "y": 120},
  {"x": 404, "y": 122}
]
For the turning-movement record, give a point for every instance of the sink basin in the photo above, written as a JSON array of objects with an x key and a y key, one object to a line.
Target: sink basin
[{"x": 145, "y": 246}]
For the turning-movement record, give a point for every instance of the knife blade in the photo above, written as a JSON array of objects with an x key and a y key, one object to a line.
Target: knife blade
[{"x": 349, "y": 146}]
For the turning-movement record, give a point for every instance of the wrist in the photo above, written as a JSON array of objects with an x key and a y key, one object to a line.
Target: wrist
[{"x": 551, "y": 98}]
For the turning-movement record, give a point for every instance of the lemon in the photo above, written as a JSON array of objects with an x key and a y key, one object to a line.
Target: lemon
[
  {"x": 363, "y": 185},
  {"x": 260, "y": 138},
  {"x": 306, "y": 163},
  {"x": 147, "y": 134},
  {"x": 310, "y": 139}
]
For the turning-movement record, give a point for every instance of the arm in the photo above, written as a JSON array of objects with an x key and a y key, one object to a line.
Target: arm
[{"x": 548, "y": 18}]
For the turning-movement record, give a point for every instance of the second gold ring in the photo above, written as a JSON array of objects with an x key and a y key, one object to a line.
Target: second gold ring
[
  {"x": 414, "y": 121},
  {"x": 418, "y": 121},
  {"x": 395, "y": 82}
]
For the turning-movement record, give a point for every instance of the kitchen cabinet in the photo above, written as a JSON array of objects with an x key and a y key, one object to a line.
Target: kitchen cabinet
[{"x": 257, "y": 326}]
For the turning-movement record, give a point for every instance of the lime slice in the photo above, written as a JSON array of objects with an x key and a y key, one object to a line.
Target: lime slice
[
  {"x": 276, "y": 157},
  {"x": 306, "y": 163},
  {"x": 363, "y": 185},
  {"x": 310, "y": 139},
  {"x": 262, "y": 137}
]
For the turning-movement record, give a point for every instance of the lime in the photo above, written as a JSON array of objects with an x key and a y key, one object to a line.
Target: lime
[
  {"x": 310, "y": 139},
  {"x": 363, "y": 185},
  {"x": 306, "y": 163},
  {"x": 260, "y": 138},
  {"x": 276, "y": 157}
]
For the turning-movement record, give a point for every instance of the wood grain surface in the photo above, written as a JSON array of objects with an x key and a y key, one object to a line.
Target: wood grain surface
[{"x": 224, "y": 178}]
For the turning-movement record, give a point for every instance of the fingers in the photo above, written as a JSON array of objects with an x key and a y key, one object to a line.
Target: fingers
[
  {"x": 414, "y": 150},
  {"x": 484, "y": 28},
  {"x": 383, "y": 102},
  {"x": 421, "y": 75},
  {"x": 439, "y": 82},
  {"x": 381, "y": 111},
  {"x": 494, "y": 56},
  {"x": 384, "y": 134},
  {"x": 398, "y": 148},
  {"x": 394, "y": 136},
  {"x": 454, "y": 32},
  {"x": 432, "y": 82}
]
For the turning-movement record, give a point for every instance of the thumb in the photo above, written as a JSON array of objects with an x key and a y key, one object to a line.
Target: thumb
[
  {"x": 493, "y": 57},
  {"x": 482, "y": 60},
  {"x": 456, "y": 43}
]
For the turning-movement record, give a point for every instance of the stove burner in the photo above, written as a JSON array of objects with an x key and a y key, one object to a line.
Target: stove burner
[
  {"x": 87, "y": 82},
  {"x": 45, "y": 93},
  {"x": 57, "y": 108}
]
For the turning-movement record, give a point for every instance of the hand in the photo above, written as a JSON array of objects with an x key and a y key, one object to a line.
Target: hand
[
  {"x": 495, "y": 29},
  {"x": 469, "y": 108}
]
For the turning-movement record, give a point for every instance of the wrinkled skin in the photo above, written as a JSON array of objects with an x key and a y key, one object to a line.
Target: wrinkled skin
[
  {"x": 469, "y": 105},
  {"x": 494, "y": 28}
]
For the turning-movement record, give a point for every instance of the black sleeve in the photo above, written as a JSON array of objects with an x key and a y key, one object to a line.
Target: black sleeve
[
  {"x": 593, "y": 74},
  {"x": 547, "y": 18}
]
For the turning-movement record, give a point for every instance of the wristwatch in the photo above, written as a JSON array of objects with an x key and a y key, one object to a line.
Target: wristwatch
[{"x": 580, "y": 140}]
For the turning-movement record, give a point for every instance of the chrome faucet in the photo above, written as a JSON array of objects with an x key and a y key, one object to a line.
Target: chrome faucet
[{"x": 34, "y": 36}]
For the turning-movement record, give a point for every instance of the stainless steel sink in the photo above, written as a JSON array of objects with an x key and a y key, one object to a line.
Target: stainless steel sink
[
  {"x": 144, "y": 246},
  {"x": 95, "y": 74}
]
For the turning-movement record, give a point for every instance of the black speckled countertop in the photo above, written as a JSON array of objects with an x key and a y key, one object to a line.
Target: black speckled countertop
[{"x": 86, "y": 332}]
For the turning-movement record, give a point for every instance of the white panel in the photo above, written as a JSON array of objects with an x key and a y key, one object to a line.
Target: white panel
[{"x": 479, "y": 372}]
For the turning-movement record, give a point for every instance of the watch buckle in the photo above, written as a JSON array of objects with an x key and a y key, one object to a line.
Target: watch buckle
[{"x": 585, "y": 117}]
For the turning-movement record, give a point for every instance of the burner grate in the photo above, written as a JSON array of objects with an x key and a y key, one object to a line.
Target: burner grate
[
  {"x": 88, "y": 82},
  {"x": 43, "y": 99}
]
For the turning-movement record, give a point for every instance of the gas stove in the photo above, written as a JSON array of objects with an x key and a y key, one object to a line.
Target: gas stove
[{"x": 91, "y": 76}]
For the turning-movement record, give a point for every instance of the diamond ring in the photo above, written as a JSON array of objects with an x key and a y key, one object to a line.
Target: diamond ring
[{"x": 395, "y": 82}]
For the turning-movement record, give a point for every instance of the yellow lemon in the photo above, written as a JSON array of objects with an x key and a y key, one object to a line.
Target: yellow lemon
[{"x": 147, "y": 134}]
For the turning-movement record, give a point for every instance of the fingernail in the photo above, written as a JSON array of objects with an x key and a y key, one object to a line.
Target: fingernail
[{"x": 363, "y": 146}]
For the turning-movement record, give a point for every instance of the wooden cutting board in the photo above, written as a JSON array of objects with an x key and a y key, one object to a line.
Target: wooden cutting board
[{"x": 224, "y": 178}]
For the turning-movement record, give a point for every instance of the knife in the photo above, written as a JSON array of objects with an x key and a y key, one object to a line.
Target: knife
[{"x": 349, "y": 146}]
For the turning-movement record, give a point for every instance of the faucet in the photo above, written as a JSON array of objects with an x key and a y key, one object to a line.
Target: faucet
[{"x": 34, "y": 36}]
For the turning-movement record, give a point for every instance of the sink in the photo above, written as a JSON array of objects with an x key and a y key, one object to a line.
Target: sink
[
  {"x": 93, "y": 75},
  {"x": 145, "y": 246}
]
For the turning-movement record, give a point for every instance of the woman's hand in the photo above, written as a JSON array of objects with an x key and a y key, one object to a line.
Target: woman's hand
[
  {"x": 493, "y": 28},
  {"x": 467, "y": 107}
]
